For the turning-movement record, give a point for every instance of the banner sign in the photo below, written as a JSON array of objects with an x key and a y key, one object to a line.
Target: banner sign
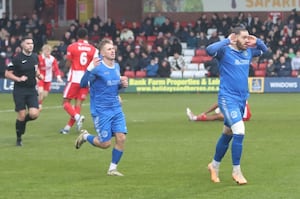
[
  {"x": 282, "y": 85},
  {"x": 7, "y": 86},
  {"x": 168, "y": 85},
  {"x": 224, "y": 5}
]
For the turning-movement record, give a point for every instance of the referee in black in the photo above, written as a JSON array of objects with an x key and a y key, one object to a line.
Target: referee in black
[{"x": 23, "y": 70}]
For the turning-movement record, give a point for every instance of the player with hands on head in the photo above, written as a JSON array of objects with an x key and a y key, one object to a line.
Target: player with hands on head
[
  {"x": 234, "y": 55},
  {"x": 105, "y": 81}
]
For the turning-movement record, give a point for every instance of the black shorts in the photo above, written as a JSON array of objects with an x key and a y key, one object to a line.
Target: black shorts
[{"x": 25, "y": 98}]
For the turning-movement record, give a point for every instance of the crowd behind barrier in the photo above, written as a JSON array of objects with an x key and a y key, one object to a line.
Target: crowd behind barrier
[{"x": 160, "y": 47}]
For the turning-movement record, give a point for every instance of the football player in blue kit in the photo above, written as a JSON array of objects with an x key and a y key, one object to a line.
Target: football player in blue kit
[
  {"x": 234, "y": 55},
  {"x": 105, "y": 81}
]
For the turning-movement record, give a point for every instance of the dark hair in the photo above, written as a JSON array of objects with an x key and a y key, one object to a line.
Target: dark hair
[
  {"x": 237, "y": 30},
  {"x": 25, "y": 38},
  {"x": 82, "y": 33}
]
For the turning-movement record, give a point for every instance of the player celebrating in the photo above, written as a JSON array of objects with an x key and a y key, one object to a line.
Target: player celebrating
[
  {"x": 79, "y": 55},
  {"x": 234, "y": 55},
  {"x": 47, "y": 66},
  {"x": 105, "y": 106}
]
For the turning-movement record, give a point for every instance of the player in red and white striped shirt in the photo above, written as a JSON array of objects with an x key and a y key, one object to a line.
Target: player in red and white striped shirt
[
  {"x": 79, "y": 55},
  {"x": 47, "y": 66}
]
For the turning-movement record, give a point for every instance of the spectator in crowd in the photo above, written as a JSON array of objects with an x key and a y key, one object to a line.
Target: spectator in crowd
[
  {"x": 159, "y": 19},
  {"x": 146, "y": 28},
  {"x": 283, "y": 67},
  {"x": 159, "y": 40},
  {"x": 152, "y": 68},
  {"x": 271, "y": 69},
  {"x": 178, "y": 29},
  {"x": 135, "y": 29},
  {"x": 126, "y": 34},
  {"x": 192, "y": 41},
  {"x": 167, "y": 26},
  {"x": 164, "y": 69},
  {"x": 144, "y": 60},
  {"x": 177, "y": 62},
  {"x": 202, "y": 40},
  {"x": 214, "y": 37},
  {"x": 132, "y": 62},
  {"x": 121, "y": 62},
  {"x": 175, "y": 47},
  {"x": 295, "y": 62},
  {"x": 160, "y": 53},
  {"x": 109, "y": 28}
]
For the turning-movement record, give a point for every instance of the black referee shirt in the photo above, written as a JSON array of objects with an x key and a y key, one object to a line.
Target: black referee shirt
[{"x": 25, "y": 65}]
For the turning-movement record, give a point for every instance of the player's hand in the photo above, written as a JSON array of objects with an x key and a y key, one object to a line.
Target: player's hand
[
  {"x": 233, "y": 38},
  {"x": 59, "y": 79},
  {"x": 251, "y": 41},
  {"x": 40, "y": 76},
  {"x": 96, "y": 61},
  {"x": 23, "y": 78},
  {"x": 124, "y": 81}
]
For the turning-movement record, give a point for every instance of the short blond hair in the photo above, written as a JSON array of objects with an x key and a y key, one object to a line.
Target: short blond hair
[
  {"x": 47, "y": 47},
  {"x": 103, "y": 42}
]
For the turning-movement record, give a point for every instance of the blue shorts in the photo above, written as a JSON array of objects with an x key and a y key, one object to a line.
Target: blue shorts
[
  {"x": 109, "y": 122},
  {"x": 232, "y": 109}
]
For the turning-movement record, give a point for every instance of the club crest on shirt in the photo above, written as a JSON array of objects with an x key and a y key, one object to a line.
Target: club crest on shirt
[
  {"x": 104, "y": 134},
  {"x": 245, "y": 53},
  {"x": 233, "y": 114}
]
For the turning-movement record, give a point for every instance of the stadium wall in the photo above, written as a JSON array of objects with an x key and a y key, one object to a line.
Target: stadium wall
[{"x": 203, "y": 85}]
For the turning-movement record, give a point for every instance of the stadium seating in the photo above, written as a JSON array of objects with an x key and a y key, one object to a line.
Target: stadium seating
[
  {"x": 260, "y": 73},
  {"x": 176, "y": 74},
  {"x": 189, "y": 73},
  {"x": 201, "y": 74},
  {"x": 201, "y": 52},
  {"x": 129, "y": 74},
  {"x": 188, "y": 52},
  {"x": 192, "y": 66},
  {"x": 294, "y": 73},
  {"x": 262, "y": 65},
  {"x": 140, "y": 74}
]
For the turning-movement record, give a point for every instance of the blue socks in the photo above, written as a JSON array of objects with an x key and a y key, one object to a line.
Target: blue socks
[
  {"x": 116, "y": 155},
  {"x": 237, "y": 148},
  {"x": 90, "y": 139},
  {"x": 222, "y": 146}
]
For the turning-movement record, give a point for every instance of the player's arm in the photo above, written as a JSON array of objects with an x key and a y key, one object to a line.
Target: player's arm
[
  {"x": 56, "y": 70},
  {"x": 212, "y": 108},
  {"x": 10, "y": 75},
  {"x": 260, "y": 46},
  {"x": 88, "y": 76},
  {"x": 212, "y": 49},
  {"x": 124, "y": 82},
  {"x": 38, "y": 74}
]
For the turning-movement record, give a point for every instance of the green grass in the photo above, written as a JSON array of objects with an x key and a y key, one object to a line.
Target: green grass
[{"x": 165, "y": 156}]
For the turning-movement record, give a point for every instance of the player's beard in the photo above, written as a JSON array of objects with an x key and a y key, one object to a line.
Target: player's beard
[{"x": 240, "y": 45}]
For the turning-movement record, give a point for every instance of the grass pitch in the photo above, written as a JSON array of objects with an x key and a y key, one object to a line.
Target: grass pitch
[{"x": 165, "y": 156}]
